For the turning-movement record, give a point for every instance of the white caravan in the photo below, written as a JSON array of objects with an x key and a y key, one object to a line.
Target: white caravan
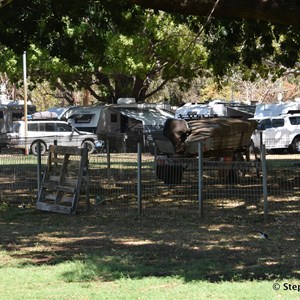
[
  {"x": 11, "y": 111},
  {"x": 233, "y": 109},
  {"x": 123, "y": 124}
]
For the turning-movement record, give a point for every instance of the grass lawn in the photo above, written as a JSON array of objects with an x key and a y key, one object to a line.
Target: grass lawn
[{"x": 93, "y": 256}]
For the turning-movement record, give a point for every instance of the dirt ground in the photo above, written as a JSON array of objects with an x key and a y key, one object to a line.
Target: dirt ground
[
  {"x": 219, "y": 246},
  {"x": 178, "y": 245}
]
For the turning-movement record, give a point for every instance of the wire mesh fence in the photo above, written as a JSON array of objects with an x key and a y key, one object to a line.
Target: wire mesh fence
[
  {"x": 113, "y": 186},
  {"x": 18, "y": 178}
]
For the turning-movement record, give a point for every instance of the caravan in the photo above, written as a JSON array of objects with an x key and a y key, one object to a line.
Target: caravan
[
  {"x": 11, "y": 111},
  {"x": 215, "y": 108},
  {"x": 123, "y": 125},
  {"x": 84, "y": 118}
]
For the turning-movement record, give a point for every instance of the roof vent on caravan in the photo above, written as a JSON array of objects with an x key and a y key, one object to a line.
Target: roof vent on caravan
[{"x": 126, "y": 101}]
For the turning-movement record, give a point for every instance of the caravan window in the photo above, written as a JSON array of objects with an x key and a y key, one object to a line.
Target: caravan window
[
  {"x": 82, "y": 118},
  {"x": 113, "y": 118}
]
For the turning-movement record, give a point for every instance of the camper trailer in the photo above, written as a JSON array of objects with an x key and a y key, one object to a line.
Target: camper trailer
[
  {"x": 123, "y": 125},
  {"x": 11, "y": 111},
  {"x": 84, "y": 118},
  {"x": 215, "y": 108}
]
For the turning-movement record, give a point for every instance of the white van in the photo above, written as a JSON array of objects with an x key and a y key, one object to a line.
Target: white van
[
  {"x": 46, "y": 132},
  {"x": 278, "y": 133}
]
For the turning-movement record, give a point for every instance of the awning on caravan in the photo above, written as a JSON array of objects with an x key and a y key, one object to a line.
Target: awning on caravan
[{"x": 149, "y": 117}]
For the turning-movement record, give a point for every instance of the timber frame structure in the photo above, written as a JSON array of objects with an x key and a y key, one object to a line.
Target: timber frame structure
[{"x": 65, "y": 175}]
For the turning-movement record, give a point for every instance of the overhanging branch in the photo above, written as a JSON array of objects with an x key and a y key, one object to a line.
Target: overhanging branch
[{"x": 282, "y": 12}]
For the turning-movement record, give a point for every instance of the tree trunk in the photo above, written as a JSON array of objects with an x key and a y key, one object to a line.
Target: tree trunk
[
  {"x": 86, "y": 98},
  {"x": 139, "y": 90},
  {"x": 123, "y": 86}
]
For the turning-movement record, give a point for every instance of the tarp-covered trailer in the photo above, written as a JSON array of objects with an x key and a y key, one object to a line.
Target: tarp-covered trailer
[{"x": 221, "y": 138}]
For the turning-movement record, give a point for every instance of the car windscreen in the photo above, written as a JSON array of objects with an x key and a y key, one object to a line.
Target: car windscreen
[{"x": 82, "y": 118}]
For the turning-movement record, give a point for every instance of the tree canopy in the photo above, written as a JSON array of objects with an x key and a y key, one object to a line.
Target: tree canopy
[
  {"x": 122, "y": 57},
  {"x": 275, "y": 11},
  {"x": 116, "y": 48}
]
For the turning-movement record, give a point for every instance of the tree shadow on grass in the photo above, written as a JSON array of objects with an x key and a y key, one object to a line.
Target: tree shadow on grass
[{"x": 112, "y": 248}]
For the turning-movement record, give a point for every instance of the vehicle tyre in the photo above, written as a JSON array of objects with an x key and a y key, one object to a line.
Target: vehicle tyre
[
  {"x": 90, "y": 146},
  {"x": 34, "y": 147},
  {"x": 295, "y": 147}
]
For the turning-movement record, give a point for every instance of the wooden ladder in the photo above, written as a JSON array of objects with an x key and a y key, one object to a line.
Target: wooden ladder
[{"x": 66, "y": 172}]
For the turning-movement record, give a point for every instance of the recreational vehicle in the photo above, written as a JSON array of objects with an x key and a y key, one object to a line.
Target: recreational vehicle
[
  {"x": 123, "y": 125},
  {"x": 11, "y": 111},
  {"x": 215, "y": 108}
]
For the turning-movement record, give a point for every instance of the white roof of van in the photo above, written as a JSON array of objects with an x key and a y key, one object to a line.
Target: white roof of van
[
  {"x": 275, "y": 109},
  {"x": 149, "y": 116}
]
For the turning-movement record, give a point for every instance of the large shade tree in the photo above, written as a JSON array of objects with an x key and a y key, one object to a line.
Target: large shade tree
[
  {"x": 95, "y": 39},
  {"x": 275, "y": 11},
  {"x": 110, "y": 60}
]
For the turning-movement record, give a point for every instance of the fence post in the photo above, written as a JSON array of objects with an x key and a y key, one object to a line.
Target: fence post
[
  {"x": 265, "y": 181},
  {"x": 155, "y": 151},
  {"x": 108, "y": 160},
  {"x": 39, "y": 166},
  {"x": 200, "y": 180},
  {"x": 139, "y": 180}
]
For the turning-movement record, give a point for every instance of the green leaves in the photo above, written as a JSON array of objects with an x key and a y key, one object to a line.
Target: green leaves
[{"x": 93, "y": 44}]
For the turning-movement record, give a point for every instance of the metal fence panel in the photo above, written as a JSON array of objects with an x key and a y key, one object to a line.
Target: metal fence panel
[{"x": 113, "y": 185}]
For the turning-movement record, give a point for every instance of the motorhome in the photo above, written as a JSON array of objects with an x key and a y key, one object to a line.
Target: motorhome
[{"x": 123, "y": 125}]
